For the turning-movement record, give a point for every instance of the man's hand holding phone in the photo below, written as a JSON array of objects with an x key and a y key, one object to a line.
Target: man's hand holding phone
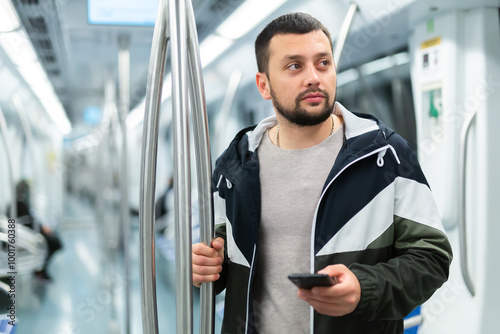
[{"x": 338, "y": 299}]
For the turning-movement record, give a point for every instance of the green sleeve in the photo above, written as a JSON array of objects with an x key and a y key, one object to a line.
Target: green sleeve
[{"x": 392, "y": 289}]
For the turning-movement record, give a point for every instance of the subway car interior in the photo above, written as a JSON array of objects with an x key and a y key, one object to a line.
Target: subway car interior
[{"x": 95, "y": 233}]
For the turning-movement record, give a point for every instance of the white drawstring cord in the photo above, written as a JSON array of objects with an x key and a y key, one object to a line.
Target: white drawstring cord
[
  {"x": 380, "y": 159},
  {"x": 381, "y": 154}
]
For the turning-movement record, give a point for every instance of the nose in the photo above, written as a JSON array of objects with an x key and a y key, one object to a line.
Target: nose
[{"x": 312, "y": 78}]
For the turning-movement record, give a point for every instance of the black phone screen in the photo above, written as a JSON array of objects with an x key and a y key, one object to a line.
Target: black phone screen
[{"x": 308, "y": 281}]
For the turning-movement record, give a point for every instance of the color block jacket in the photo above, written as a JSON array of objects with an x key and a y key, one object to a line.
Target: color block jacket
[{"x": 376, "y": 215}]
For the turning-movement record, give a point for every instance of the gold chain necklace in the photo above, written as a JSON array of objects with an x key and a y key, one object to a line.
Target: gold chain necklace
[{"x": 278, "y": 132}]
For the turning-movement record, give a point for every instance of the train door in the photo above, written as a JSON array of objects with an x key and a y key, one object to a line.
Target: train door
[{"x": 455, "y": 74}]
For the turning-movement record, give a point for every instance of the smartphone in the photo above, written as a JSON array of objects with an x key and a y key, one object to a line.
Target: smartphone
[{"x": 308, "y": 281}]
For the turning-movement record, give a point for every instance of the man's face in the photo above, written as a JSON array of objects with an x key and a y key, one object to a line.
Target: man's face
[{"x": 301, "y": 78}]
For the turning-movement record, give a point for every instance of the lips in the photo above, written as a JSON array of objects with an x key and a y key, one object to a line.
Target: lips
[{"x": 314, "y": 97}]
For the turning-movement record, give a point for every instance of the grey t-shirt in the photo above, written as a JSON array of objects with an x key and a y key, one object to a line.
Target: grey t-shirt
[{"x": 291, "y": 184}]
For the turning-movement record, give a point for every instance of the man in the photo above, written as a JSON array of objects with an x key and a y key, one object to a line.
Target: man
[{"x": 317, "y": 188}]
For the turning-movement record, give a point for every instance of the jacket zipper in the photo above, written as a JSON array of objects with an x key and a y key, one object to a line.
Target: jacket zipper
[
  {"x": 248, "y": 288},
  {"x": 379, "y": 150},
  {"x": 229, "y": 186}
]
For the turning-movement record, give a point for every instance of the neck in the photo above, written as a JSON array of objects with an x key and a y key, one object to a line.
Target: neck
[{"x": 291, "y": 136}]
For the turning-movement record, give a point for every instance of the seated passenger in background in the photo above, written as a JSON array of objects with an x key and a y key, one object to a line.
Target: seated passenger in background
[
  {"x": 317, "y": 188},
  {"x": 23, "y": 210},
  {"x": 163, "y": 206}
]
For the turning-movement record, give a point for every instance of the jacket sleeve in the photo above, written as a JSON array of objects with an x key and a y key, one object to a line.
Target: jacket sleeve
[{"x": 422, "y": 252}]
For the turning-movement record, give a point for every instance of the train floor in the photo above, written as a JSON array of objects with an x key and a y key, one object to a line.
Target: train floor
[{"x": 86, "y": 293}]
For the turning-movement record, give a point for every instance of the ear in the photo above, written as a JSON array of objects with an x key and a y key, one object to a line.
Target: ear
[{"x": 263, "y": 85}]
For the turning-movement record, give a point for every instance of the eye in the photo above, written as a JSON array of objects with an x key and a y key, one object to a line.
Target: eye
[
  {"x": 324, "y": 63},
  {"x": 293, "y": 67}
]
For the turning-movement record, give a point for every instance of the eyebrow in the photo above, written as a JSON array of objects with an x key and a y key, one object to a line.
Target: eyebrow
[{"x": 288, "y": 58}]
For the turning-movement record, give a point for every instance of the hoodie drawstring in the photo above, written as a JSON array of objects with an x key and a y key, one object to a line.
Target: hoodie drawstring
[
  {"x": 380, "y": 159},
  {"x": 381, "y": 154}
]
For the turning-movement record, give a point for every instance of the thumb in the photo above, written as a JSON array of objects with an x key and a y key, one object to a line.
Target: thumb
[
  {"x": 218, "y": 244},
  {"x": 334, "y": 270}
]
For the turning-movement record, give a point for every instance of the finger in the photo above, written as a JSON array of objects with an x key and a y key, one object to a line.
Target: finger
[
  {"x": 206, "y": 260},
  {"x": 202, "y": 249},
  {"x": 335, "y": 270},
  {"x": 304, "y": 294},
  {"x": 345, "y": 302},
  {"x": 218, "y": 244},
  {"x": 206, "y": 270},
  {"x": 328, "y": 308},
  {"x": 197, "y": 279},
  {"x": 322, "y": 294},
  {"x": 335, "y": 310},
  {"x": 318, "y": 292},
  {"x": 346, "y": 281},
  {"x": 325, "y": 298}
]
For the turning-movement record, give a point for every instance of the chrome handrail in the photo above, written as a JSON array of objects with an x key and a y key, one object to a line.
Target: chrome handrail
[
  {"x": 182, "y": 170},
  {"x": 204, "y": 167},
  {"x": 227, "y": 103},
  {"x": 462, "y": 218},
  {"x": 344, "y": 30},
  {"x": 148, "y": 170},
  {"x": 124, "y": 84},
  {"x": 185, "y": 61}
]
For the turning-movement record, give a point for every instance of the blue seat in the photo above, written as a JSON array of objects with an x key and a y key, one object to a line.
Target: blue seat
[{"x": 414, "y": 329}]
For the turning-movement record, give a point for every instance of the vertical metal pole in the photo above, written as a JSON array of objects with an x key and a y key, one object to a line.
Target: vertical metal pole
[
  {"x": 346, "y": 25},
  {"x": 182, "y": 182},
  {"x": 148, "y": 171},
  {"x": 124, "y": 84},
  {"x": 5, "y": 139},
  {"x": 107, "y": 166},
  {"x": 204, "y": 166},
  {"x": 227, "y": 103}
]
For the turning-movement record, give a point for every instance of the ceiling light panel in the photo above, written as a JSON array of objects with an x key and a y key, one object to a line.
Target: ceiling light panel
[
  {"x": 8, "y": 17},
  {"x": 247, "y": 16}
]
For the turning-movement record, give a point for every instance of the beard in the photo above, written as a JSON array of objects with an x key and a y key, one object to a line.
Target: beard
[{"x": 301, "y": 116}]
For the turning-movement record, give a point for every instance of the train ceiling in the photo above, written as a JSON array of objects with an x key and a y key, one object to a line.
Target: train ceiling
[{"x": 80, "y": 58}]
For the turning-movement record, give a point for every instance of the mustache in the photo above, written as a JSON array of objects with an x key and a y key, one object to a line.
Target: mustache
[{"x": 312, "y": 90}]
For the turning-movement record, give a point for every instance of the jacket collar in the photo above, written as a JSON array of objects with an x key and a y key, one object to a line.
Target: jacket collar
[{"x": 353, "y": 124}]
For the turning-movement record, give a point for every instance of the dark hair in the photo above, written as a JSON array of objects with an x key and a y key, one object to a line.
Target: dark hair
[
  {"x": 293, "y": 23},
  {"x": 22, "y": 189}
]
